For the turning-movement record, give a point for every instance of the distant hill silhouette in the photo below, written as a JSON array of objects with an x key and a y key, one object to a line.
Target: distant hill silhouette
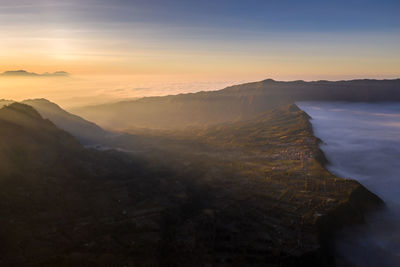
[
  {"x": 24, "y": 73},
  {"x": 87, "y": 132},
  {"x": 23, "y": 129},
  {"x": 233, "y": 103}
]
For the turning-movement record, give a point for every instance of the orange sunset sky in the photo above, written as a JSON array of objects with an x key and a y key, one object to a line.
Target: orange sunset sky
[{"x": 126, "y": 49}]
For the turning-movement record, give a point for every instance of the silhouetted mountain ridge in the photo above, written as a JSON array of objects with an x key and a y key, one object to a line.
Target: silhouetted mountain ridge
[
  {"x": 233, "y": 103},
  {"x": 23, "y": 129},
  {"x": 24, "y": 73},
  {"x": 84, "y": 130},
  {"x": 87, "y": 132}
]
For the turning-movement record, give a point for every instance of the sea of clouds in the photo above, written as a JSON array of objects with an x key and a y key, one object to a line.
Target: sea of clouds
[{"x": 362, "y": 141}]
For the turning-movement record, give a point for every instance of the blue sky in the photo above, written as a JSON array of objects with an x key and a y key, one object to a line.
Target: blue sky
[
  {"x": 283, "y": 15},
  {"x": 281, "y": 38}
]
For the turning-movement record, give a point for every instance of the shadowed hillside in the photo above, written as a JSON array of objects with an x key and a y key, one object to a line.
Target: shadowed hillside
[
  {"x": 64, "y": 205},
  {"x": 87, "y": 132},
  {"x": 23, "y": 129},
  {"x": 232, "y": 103},
  {"x": 258, "y": 197}
]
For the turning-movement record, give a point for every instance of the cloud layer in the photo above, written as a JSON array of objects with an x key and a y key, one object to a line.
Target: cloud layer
[{"x": 362, "y": 141}]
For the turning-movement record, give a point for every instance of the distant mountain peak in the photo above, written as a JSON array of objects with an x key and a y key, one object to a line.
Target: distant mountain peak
[
  {"x": 39, "y": 100},
  {"x": 268, "y": 80},
  {"x": 57, "y": 73},
  {"x": 24, "y": 73},
  {"x": 19, "y": 73}
]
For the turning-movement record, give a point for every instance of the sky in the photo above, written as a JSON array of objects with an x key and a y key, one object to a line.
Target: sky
[{"x": 148, "y": 47}]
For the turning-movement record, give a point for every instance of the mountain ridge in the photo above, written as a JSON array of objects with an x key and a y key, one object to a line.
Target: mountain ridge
[
  {"x": 24, "y": 73},
  {"x": 87, "y": 132},
  {"x": 232, "y": 103}
]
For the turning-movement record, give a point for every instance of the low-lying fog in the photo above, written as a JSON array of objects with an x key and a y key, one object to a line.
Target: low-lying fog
[
  {"x": 362, "y": 141},
  {"x": 76, "y": 91}
]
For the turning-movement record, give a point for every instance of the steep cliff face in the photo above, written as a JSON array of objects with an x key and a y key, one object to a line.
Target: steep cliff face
[{"x": 350, "y": 211}]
